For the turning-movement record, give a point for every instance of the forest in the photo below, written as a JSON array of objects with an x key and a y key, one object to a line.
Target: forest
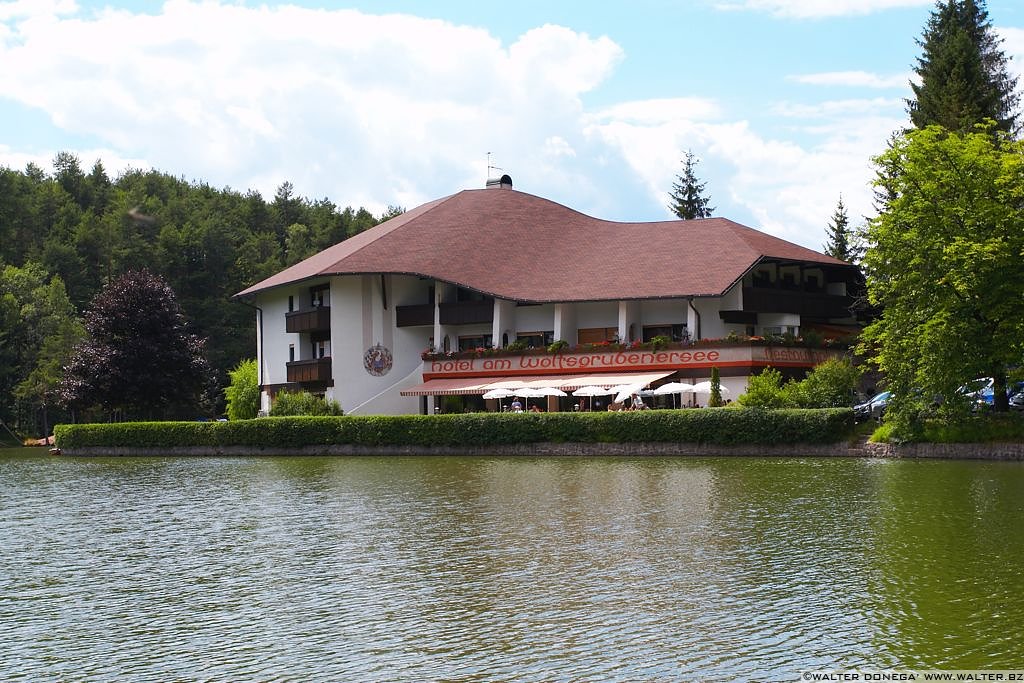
[{"x": 64, "y": 235}]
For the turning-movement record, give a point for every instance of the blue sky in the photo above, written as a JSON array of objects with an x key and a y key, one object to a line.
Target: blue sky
[{"x": 590, "y": 104}]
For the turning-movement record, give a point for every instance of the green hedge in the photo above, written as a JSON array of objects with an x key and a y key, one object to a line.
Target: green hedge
[{"x": 718, "y": 426}]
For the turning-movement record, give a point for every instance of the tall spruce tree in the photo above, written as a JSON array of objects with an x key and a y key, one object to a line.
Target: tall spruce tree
[
  {"x": 964, "y": 73},
  {"x": 840, "y": 239},
  {"x": 687, "y": 197}
]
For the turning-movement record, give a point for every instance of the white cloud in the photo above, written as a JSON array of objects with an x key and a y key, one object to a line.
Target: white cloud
[
  {"x": 376, "y": 110},
  {"x": 558, "y": 147},
  {"x": 814, "y": 9},
  {"x": 1013, "y": 46},
  {"x": 364, "y": 108},
  {"x": 790, "y": 188},
  {"x": 855, "y": 79},
  {"x": 20, "y": 9},
  {"x": 833, "y": 108},
  {"x": 659, "y": 110}
]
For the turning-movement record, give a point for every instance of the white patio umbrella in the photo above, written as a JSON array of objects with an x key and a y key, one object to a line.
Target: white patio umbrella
[
  {"x": 528, "y": 393},
  {"x": 673, "y": 388},
  {"x": 499, "y": 394},
  {"x": 623, "y": 392},
  {"x": 705, "y": 388},
  {"x": 551, "y": 391},
  {"x": 591, "y": 391}
]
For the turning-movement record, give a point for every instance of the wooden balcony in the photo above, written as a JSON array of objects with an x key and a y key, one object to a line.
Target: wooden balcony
[
  {"x": 410, "y": 316},
  {"x": 454, "y": 313},
  {"x": 467, "y": 312},
  {"x": 312, "y": 320},
  {"x": 807, "y": 304},
  {"x": 307, "y": 371}
]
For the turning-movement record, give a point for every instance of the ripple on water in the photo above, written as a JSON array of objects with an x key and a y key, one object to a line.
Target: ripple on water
[{"x": 474, "y": 569}]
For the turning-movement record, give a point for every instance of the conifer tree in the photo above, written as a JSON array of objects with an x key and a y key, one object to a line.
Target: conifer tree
[
  {"x": 964, "y": 77},
  {"x": 715, "y": 398},
  {"x": 687, "y": 197},
  {"x": 841, "y": 240}
]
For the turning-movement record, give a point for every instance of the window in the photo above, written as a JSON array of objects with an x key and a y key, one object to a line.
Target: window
[
  {"x": 536, "y": 339},
  {"x": 475, "y": 342},
  {"x": 291, "y": 304},
  {"x": 595, "y": 335},
  {"x": 318, "y": 295},
  {"x": 782, "y": 329},
  {"x": 675, "y": 332},
  {"x": 291, "y": 353},
  {"x": 321, "y": 342}
]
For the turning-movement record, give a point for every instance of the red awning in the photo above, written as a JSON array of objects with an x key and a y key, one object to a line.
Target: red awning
[
  {"x": 481, "y": 385},
  {"x": 449, "y": 387}
]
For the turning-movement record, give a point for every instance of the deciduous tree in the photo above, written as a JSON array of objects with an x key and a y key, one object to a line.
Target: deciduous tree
[
  {"x": 38, "y": 329},
  {"x": 944, "y": 263},
  {"x": 140, "y": 359}
]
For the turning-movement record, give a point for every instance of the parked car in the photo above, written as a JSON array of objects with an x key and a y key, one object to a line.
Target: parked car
[
  {"x": 981, "y": 393},
  {"x": 978, "y": 392},
  {"x": 873, "y": 408},
  {"x": 1017, "y": 400}
]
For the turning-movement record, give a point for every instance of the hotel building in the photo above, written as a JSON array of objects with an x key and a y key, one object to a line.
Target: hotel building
[{"x": 439, "y": 302}]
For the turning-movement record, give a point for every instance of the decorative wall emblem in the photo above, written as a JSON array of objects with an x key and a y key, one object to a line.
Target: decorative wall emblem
[{"x": 377, "y": 360}]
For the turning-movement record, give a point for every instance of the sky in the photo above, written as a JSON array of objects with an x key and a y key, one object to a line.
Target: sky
[{"x": 395, "y": 103}]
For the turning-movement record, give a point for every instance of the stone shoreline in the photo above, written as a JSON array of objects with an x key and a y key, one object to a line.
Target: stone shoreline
[{"x": 993, "y": 451}]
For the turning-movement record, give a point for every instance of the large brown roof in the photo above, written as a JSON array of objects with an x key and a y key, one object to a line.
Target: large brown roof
[{"x": 517, "y": 246}]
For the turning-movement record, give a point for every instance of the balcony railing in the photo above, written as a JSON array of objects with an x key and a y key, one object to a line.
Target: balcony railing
[
  {"x": 467, "y": 312},
  {"x": 811, "y": 305},
  {"x": 313, "y": 320},
  {"x": 409, "y": 316},
  {"x": 454, "y": 313},
  {"x": 313, "y": 370}
]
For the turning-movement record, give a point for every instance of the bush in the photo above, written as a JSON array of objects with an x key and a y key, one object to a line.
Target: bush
[
  {"x": 764, "y": 390},
  {"x": 243, "y": 393},
  {"x": 303, "y": 403},
  {"x": 829, "y": 385},
  {"x": 720, "y": 427}
]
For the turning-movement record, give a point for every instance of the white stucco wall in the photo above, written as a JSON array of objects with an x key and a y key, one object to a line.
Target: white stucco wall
[
  {"x": 663, "y": 312},
  {"x": 711, "y": 325},
  {"x": 597, "y": 314},
  {"x": 534, "y": 319},
  {"x": 359, "y": 320}
]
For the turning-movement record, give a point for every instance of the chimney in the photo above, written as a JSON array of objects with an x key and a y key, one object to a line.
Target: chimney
[{"x": 504, "y": 181}]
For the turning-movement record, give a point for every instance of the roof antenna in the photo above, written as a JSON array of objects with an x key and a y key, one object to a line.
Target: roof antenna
[{"x": 504, "y": 181}]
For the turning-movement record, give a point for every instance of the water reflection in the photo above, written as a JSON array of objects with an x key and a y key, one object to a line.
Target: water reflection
[{"x": 505, "y": 568}]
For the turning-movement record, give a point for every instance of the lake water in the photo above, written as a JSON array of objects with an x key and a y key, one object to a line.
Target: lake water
[{"x": 502, "y": 569}]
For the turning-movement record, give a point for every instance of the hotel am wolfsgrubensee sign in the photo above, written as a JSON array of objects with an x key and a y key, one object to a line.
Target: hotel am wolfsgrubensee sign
[{"x": 631, "y": 360}]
